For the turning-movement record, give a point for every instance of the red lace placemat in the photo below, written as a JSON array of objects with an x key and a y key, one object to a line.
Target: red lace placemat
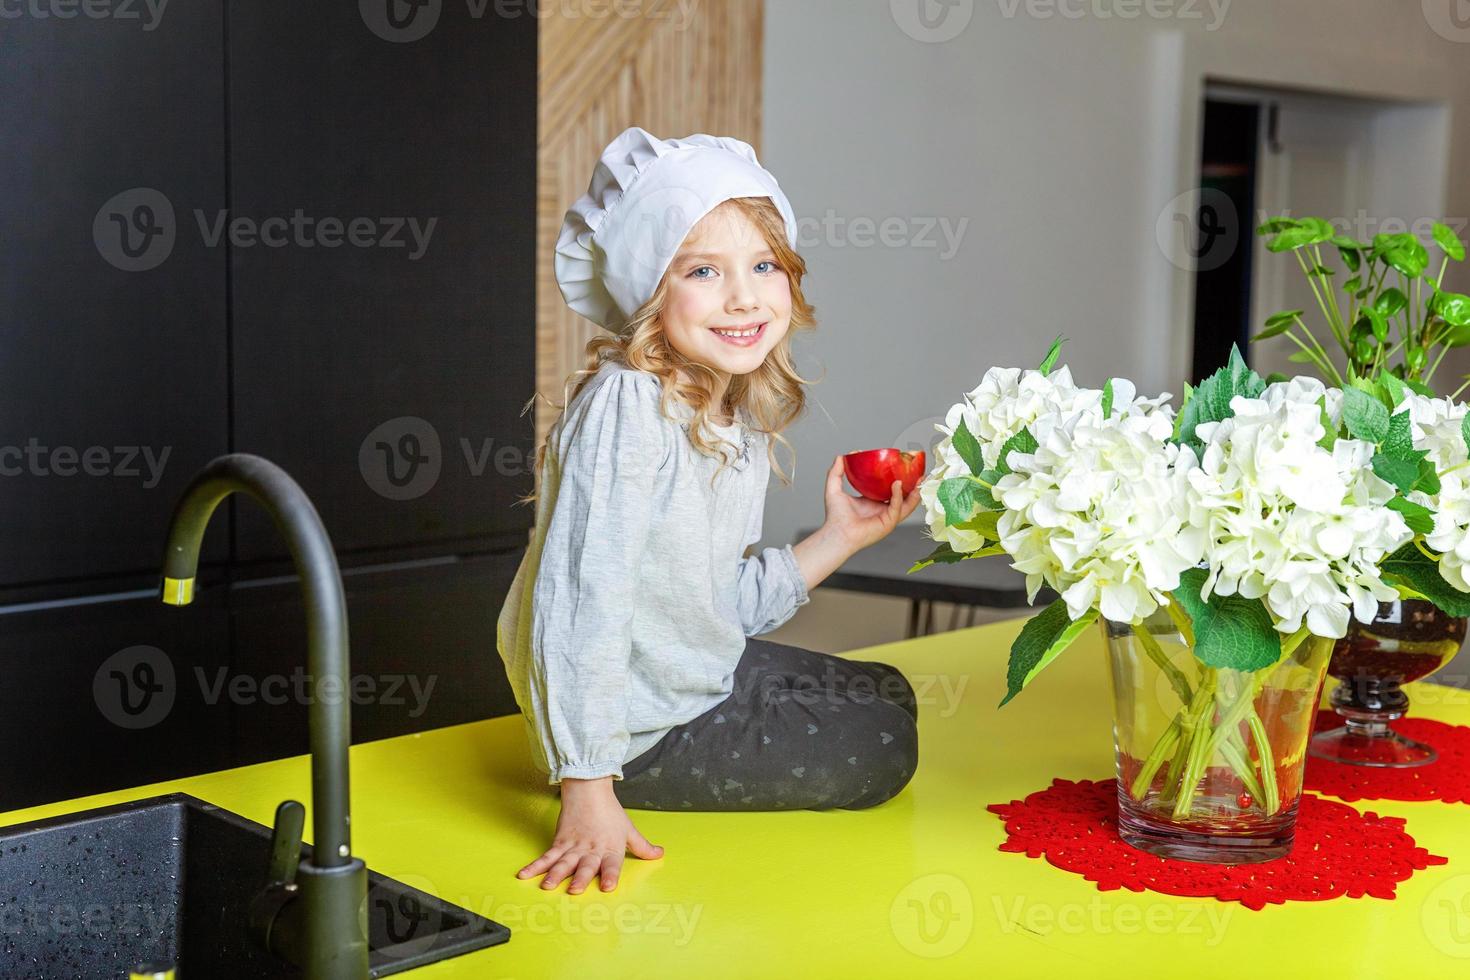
[
  {"x": 1446, "y": 778},
  {"x": 1338, "y": 850}
]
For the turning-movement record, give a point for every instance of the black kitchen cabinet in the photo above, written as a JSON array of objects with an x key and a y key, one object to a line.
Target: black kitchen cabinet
[
  {"x": 423, "y": 653},
  {"x": 112, "y": 312},
  {"x": 106, "y": 695},
  {"x": 386, "y": 376},
  {"x": 266, "y": 228}
]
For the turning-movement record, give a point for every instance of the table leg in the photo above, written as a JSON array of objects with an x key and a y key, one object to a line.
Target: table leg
[{"x": 913, "y": 625}]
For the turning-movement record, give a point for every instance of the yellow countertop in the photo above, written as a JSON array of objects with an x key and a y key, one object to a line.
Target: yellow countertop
[{"x": 913, "y": 886}]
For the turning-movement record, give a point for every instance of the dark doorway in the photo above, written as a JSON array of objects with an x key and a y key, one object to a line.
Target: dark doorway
[{"x": 1225, "y": 225}]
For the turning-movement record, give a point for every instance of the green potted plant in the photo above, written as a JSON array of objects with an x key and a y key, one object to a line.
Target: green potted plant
[
  {"x": 1385, "y": 308},
  {"x": 1388, "y": 311}
]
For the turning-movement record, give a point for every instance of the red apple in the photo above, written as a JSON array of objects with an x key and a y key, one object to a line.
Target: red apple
[{"x": 872, "y": 471}]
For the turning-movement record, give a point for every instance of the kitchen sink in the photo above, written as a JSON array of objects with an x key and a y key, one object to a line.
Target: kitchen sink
[{"x": 170, "y": 880}]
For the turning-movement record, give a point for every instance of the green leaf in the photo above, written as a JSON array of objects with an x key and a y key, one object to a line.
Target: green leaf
[
  {"x": 1272, "y": 331},
  {"x": 1050, "y": 360},
  {"x": 1274, "y": 226},
  {"x": 983, "y": 523},
  {"x": 1307, "y": 231},
  {"x": 1302, "y": 357},
  {"x": 1276, "y": 377},
  {"x": 1402, "y": 473},
  {"x": 1211, "y": 400},
  {"x": 1365, "y": 416},
  {"x": 1021, "y": 442},
  {"x": 1419, "y": 388},
  {"x": 1399, "y": 443},
  {"x": 983, "y": 495},
  {"x": 1350, "y": 258},
  {"x": 1353, "y": 285},
  {"x": 957, "y": 499},
  {"x": 968, "y": 447},
  {"x": 946, "y": 555},
  {"x": 1377, "y": 323},
  {"x": 1428, "y": 478},
  {"x": 1394, "y": 385},
  {"x": 1230, "y": 633},
  {"x": 1465, "y": 431},
  {"x": 1449, "y": 242},
  {"x": 1278, "y": 323},
  {"x": 1041, "y": 640},
  {"x": 1452, "y": 308},
  {"x": 1391, "y": 301},
  {"x": 1420, "y": 573},
  {"x": 1402, "y": 252},
  {"x": 1107, "y": 399},
  {"x": 1329, "y": 431},
  {"x": 1419, "y": 518}
]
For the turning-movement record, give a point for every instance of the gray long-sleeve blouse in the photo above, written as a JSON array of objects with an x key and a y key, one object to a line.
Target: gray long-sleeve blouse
[{"x": 631, "y": 606}]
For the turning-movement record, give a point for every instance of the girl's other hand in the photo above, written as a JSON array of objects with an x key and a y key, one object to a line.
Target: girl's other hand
[
  {"x": 861, "y": 521},
  {"x": 592, "y": 834}
]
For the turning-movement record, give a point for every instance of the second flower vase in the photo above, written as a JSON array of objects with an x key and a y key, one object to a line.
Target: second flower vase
[{"x": 1209, "y": 760}]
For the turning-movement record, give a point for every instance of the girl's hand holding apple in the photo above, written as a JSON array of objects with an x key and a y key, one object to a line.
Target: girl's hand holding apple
[{"x": 889, "y": 480}]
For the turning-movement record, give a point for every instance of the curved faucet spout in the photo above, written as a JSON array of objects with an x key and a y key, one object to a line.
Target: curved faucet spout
[{"x": 326, "y": 619}]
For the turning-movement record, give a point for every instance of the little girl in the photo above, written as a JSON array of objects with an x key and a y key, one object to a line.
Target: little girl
[{"x": 627, "y": 633}]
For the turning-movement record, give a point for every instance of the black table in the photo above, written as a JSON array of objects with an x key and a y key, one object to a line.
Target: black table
[{"x": 976, "y": 583}]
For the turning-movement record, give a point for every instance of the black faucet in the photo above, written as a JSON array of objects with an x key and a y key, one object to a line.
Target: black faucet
[{"x": 311, "y": 912}]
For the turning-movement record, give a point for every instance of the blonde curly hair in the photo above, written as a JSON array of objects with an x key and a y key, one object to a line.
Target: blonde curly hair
[{"x": 772, "y": 394}]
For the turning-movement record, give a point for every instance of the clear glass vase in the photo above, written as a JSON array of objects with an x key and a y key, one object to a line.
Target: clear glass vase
[{"x": 1209, "y": 760}]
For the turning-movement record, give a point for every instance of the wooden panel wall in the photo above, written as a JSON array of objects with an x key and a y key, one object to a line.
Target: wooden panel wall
[{"x": 676, "y": 68}]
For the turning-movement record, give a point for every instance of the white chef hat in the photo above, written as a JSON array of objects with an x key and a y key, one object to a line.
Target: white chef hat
[{"x": 644, "y": 197}]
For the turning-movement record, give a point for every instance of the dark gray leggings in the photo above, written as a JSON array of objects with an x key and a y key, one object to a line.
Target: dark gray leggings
[{"x": 800, "y": 731}]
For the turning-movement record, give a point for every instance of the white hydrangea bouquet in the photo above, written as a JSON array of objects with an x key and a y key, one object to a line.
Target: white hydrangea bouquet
[{"x": 1253, "y": 523}]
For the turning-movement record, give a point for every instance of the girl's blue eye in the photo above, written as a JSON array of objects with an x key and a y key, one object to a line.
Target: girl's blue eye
[{"x": 694, "y": 274}]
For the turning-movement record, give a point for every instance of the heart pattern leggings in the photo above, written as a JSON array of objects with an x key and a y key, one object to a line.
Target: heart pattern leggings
[{"x": 800, "y": 731}]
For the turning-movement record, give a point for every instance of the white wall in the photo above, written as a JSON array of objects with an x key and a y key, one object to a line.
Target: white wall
[{"x": 1057, "y": 139}]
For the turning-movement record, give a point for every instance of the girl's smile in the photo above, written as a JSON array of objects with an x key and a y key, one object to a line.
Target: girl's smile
[
  {"x": 741, "y": 336},
  {"x": 729, "y": 301}
]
